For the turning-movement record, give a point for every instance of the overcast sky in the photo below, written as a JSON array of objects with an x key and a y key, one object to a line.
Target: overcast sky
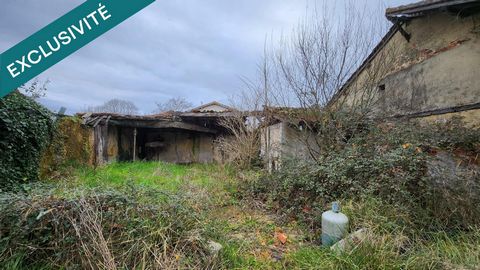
[{"x": 197, "y": 49}]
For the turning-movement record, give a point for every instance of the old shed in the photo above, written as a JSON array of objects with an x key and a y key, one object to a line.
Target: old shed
[{"x": 176, "y": 137}]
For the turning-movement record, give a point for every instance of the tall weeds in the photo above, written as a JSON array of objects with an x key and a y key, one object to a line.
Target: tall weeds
[
  {"x": 89, "y": 226},
  {"x": 91, "y": 229}
]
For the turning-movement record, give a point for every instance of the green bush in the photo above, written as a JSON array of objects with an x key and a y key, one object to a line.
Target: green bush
[
  {"x": 299, "y": 187},
  {"x": 387, "y": 161},
  {"x": 25, "y": 130}
]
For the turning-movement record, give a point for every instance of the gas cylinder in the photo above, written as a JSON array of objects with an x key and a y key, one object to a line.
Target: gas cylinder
[{"x": 334, "y": 225}]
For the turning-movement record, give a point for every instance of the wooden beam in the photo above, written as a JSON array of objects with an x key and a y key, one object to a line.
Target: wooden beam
[
  {"x": 162, "y": 124},
  {"x": 455, "y": 109},
  {"x": 134, "y": 144}
]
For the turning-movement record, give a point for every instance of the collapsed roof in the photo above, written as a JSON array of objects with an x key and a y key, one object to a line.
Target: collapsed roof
[{"x": 200, "y": 119}]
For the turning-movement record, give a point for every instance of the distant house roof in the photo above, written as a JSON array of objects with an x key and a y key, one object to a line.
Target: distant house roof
[
  {"x": 213, "y": 106},
  {"x": 404, "y": 13}
]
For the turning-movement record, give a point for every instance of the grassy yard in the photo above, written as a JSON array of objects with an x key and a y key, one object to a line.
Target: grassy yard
[
  {"x": 194, "y": 204},
  {"x": 204, "y": 197},
  {"x": 249, "y": 235},
  {"x": 152, "y": 174}
]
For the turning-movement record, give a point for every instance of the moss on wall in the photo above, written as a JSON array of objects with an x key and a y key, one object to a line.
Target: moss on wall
[{"x": 72, "y": 145}]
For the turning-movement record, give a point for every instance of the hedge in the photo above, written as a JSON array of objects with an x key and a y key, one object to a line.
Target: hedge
[{"x": 26, "y": 128}]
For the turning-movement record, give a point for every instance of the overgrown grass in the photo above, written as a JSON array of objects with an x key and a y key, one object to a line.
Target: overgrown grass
[
  {"x": 107, "y": 228},
  {"x": 166, "y": 176},
  {"x": 121, "y": 216},
  {"x": 413, "y": 188},
  {"x": 390, "y": 243},
  {"x": 161, "y": 216}
]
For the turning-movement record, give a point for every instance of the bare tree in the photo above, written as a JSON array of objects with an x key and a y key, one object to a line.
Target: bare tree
[
  {"x": 242, "y": 147},
  {"x": 310, "y": 68},
  {"x": 115, "y": 106},
  {"x": 177, "y": 104},
  {"x": 35, "y": 89}
]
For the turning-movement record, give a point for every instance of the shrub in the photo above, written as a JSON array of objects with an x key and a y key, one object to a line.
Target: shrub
[
  {"x": 25, "y": 130},
  {"x": 303, "y": 187},
  {"x": 391, "y": 162},
  {"x": 241, "y": 148},
  {"x": 133, "y": 229}
]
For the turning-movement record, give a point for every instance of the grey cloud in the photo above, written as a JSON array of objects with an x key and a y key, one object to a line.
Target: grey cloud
[{"x": 191, "y": 48}]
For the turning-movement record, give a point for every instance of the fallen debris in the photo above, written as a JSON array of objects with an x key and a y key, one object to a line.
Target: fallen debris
[
  {"x": 350, "y": 241},
  {"x": 214, "y": 247},
  {"x": 282, "y": 237}
]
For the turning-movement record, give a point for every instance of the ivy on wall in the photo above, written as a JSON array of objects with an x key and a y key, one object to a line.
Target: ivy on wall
[{"x": 26, "y": 128}]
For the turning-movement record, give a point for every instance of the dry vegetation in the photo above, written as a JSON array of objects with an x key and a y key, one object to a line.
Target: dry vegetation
[
  {"x": 413, "y": 188},
  {"x": 101, "y": 230},
  {"x": 162, "y": 216}
]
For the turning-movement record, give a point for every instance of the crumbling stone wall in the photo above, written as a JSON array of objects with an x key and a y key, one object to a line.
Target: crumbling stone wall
[
  {"x": 272, "y": 139},
  {"x": 434, "y": 73},
  {"x": 282, "y": 141}
]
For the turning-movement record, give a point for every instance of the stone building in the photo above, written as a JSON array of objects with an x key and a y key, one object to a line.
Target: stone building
[
  {"x": 434, "y": 66},
  {"x": 284, "y": 137},
  {"x": 176, "y": 137},
  {"x": 431, "y": 62},
  {"x": 282, "y": 140}
]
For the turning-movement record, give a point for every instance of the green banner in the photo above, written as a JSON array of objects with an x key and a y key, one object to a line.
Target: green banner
[{"x": 61, "y": 38}]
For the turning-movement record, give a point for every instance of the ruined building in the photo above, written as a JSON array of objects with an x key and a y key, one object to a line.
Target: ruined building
[
  {"x": 434, "y": 73},
  {"x": 431, "y": 62},
  {"x": 177, "y": 137}
]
